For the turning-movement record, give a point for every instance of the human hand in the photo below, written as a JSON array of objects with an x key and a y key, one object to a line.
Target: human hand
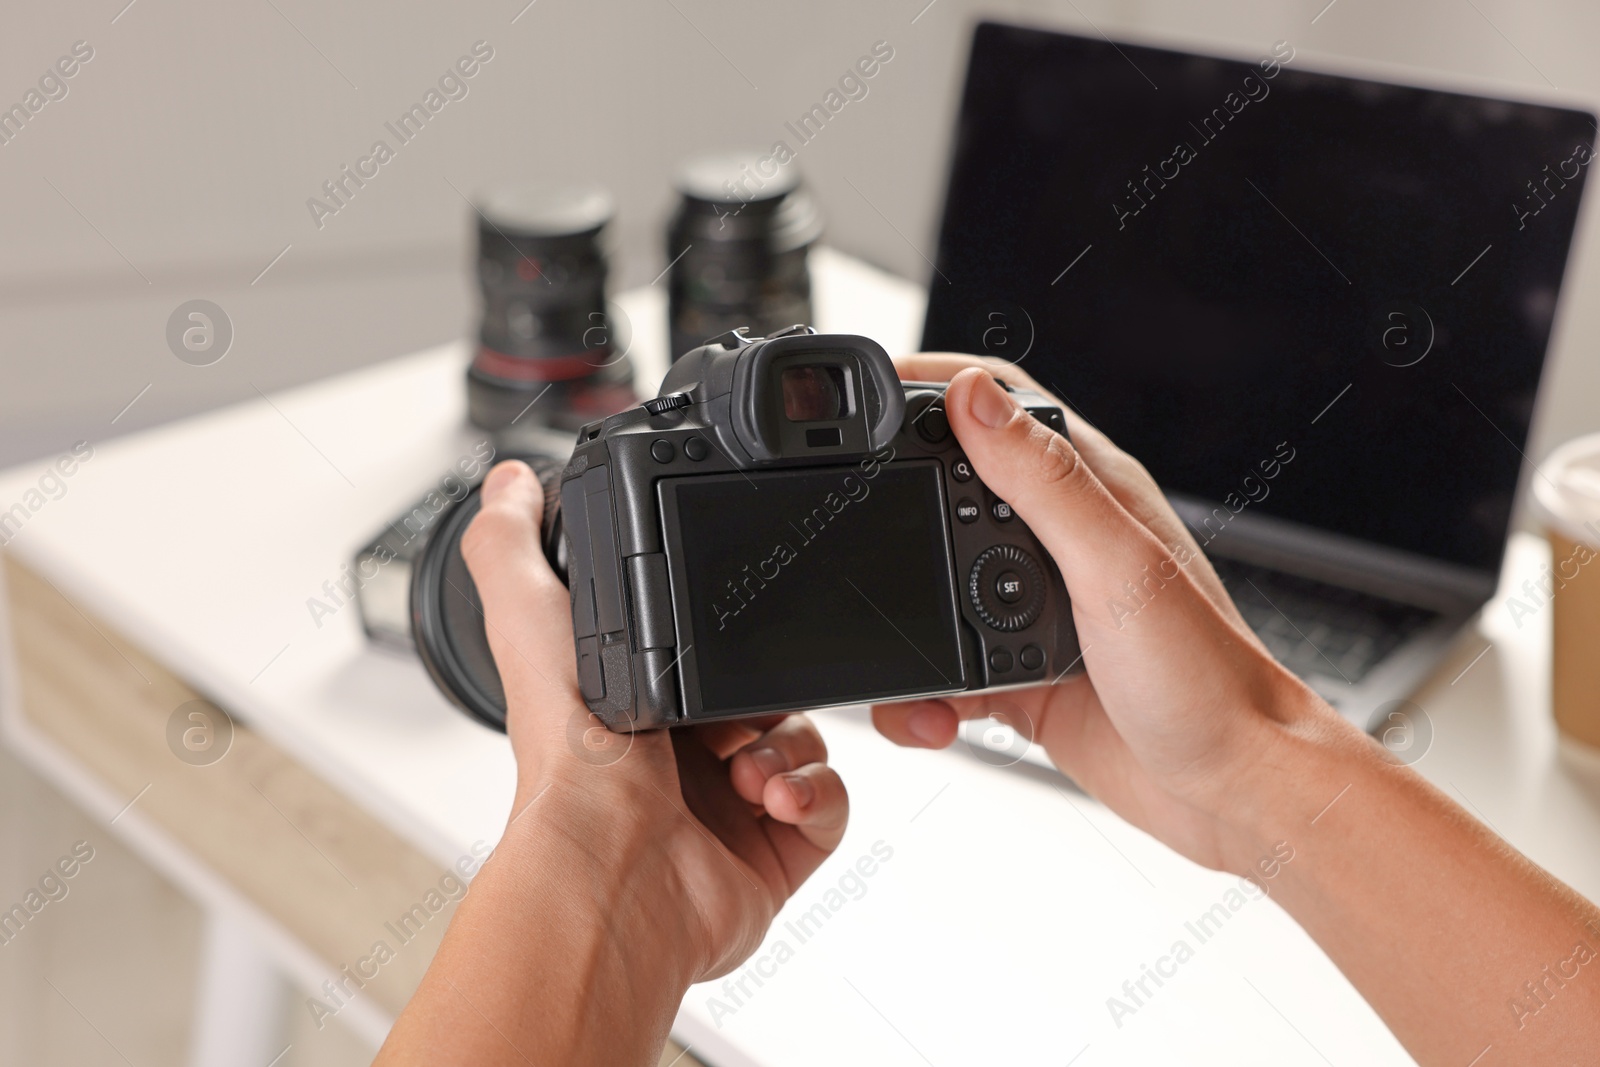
[
  {"x": 704, "y": 831},
  {"x": 633, "y": 866},
  {"x": 1180, "y": 707}
]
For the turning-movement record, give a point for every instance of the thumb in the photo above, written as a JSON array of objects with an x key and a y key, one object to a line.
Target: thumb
[
  {"x": 1105, "y": 555},
  {"x": 526, "y": 609}
]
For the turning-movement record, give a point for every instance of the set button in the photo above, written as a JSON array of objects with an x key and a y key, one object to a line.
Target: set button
[{"x": 1006, "y": 588}]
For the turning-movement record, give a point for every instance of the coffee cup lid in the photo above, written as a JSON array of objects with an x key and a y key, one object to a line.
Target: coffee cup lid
[{"x": 1566, "y": 491}]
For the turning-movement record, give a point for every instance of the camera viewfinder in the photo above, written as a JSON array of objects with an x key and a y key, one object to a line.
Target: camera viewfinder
[{"x": 815, "y": 392}]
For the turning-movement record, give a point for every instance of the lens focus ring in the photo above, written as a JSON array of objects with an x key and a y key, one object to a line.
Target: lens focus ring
[{"x": 1012, "y": 608}]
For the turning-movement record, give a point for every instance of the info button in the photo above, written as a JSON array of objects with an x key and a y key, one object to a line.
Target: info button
[{"x": 967, "y": 510}]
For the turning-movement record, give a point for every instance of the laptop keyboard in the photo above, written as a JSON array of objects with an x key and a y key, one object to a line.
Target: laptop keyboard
[{"x": 1315, "y": 628}]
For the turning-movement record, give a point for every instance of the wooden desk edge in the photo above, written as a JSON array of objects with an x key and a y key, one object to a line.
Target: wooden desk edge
[{"x": 323, "y": 878}]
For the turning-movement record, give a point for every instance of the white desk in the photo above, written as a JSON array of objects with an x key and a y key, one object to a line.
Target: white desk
[{"x": 1011, "y": 908}]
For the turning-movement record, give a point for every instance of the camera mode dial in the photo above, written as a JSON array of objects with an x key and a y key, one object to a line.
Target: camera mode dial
[{"x": 1007, "y": 588}]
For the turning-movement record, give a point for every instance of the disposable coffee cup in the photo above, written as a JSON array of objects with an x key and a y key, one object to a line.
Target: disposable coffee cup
[{"x": 1566, "y": 494}]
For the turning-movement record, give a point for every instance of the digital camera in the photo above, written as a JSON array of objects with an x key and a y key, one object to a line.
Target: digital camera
[{"x": 785, "y": 526}]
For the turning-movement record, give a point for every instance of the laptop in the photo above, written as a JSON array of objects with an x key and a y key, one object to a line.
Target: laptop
[{"x": 1315, "y": 306}]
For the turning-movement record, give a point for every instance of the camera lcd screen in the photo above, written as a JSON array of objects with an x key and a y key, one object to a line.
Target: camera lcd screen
[
  {"x": 815, "y": 393},
  {"x": 812, "y": 587}
]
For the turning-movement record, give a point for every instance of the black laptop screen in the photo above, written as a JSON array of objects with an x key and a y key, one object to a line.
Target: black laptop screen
[{"x": 1221, "y": 263}]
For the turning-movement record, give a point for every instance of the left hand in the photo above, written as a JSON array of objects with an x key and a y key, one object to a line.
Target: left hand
[{"x": 705, "y": 831}]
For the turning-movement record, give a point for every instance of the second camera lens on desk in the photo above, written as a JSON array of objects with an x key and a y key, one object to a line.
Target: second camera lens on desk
[
  {"x": 738, "y": 248},
  {"x": 548, "y": 353}
]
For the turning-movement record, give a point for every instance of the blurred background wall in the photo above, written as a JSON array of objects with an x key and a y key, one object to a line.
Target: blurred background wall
[{"x": 179, "y": 163}]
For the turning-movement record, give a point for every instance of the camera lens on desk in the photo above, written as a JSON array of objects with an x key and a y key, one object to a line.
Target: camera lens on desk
[
  {"x": 548, "y": 351},
  {"x": 738, "y": 245}
]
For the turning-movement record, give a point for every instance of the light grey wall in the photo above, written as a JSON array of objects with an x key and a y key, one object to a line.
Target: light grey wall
[{"x": 180, "y": 162}]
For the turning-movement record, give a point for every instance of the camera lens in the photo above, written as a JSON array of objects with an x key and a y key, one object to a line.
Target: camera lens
[
  {"x": 548, "y": 353},
  {"x": 447, "y": 620},
  {"x": 738, "y": 246}
]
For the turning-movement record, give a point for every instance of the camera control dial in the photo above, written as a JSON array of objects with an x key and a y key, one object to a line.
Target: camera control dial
[
  {"x": 660, "y": 405},
  {"x": 1007, "y": 588}
]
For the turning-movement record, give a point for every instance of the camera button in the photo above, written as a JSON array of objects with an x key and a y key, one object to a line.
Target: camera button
[
  {"x": 1000, "y": 661},
  {"x": 591, "y": 681},
  {"x": 661, "y": 450},
  {"x": 933, "y": 424},
  {"x": 990, "y": 574},
  {"x": 731, "y": 340},
  {"x": 660, "y": 405},
  {"x": 696, "y": 448},
  {"x": 1002, "y": 511},
  {"x": 967, "y": 510},
  {"x": 961, "y": 471},
  {"x": 1032, "y": 657}
]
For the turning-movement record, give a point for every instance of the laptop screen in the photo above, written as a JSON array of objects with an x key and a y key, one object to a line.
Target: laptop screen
[{"x": 1321, "y": 299}]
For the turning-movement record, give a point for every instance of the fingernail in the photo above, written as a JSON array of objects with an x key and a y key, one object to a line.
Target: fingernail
[
  {"x": 990, "y": 404},
  {"x": 927, "y": 726},
  {"x": 769, "y": 761},
  {"x": 496, "y": 481},
  {"x": 801, "y": 789}
]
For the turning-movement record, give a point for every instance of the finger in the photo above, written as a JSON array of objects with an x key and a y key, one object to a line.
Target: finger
[
  {"x": 1096, "y": 447},
  {"x": 942, "y": 366},
  {"x": 935, "y": 723},
  {"x": 918, "y": 723},
  {"x": 526, "y": 609},
  {"x": 812, "y": 803},
  {"x": 1093, "y": 538},
  {"x": 1132, "y": 486},
  {"x": 710, "y": 798},
  {"x": 726, "y": 738},
  {"x": 1067, "y": 720},
  {"x": 1114, "y": 566},
  {"x": 1123, "y": 476},
  {"x": 791, "y": 744}
]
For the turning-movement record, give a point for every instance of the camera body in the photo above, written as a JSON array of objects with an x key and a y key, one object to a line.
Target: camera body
[{"x": 787, "y": 525}]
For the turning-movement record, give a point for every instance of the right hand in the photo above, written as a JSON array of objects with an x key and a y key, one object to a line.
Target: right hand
[{"x": 1180, "y": 709}]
